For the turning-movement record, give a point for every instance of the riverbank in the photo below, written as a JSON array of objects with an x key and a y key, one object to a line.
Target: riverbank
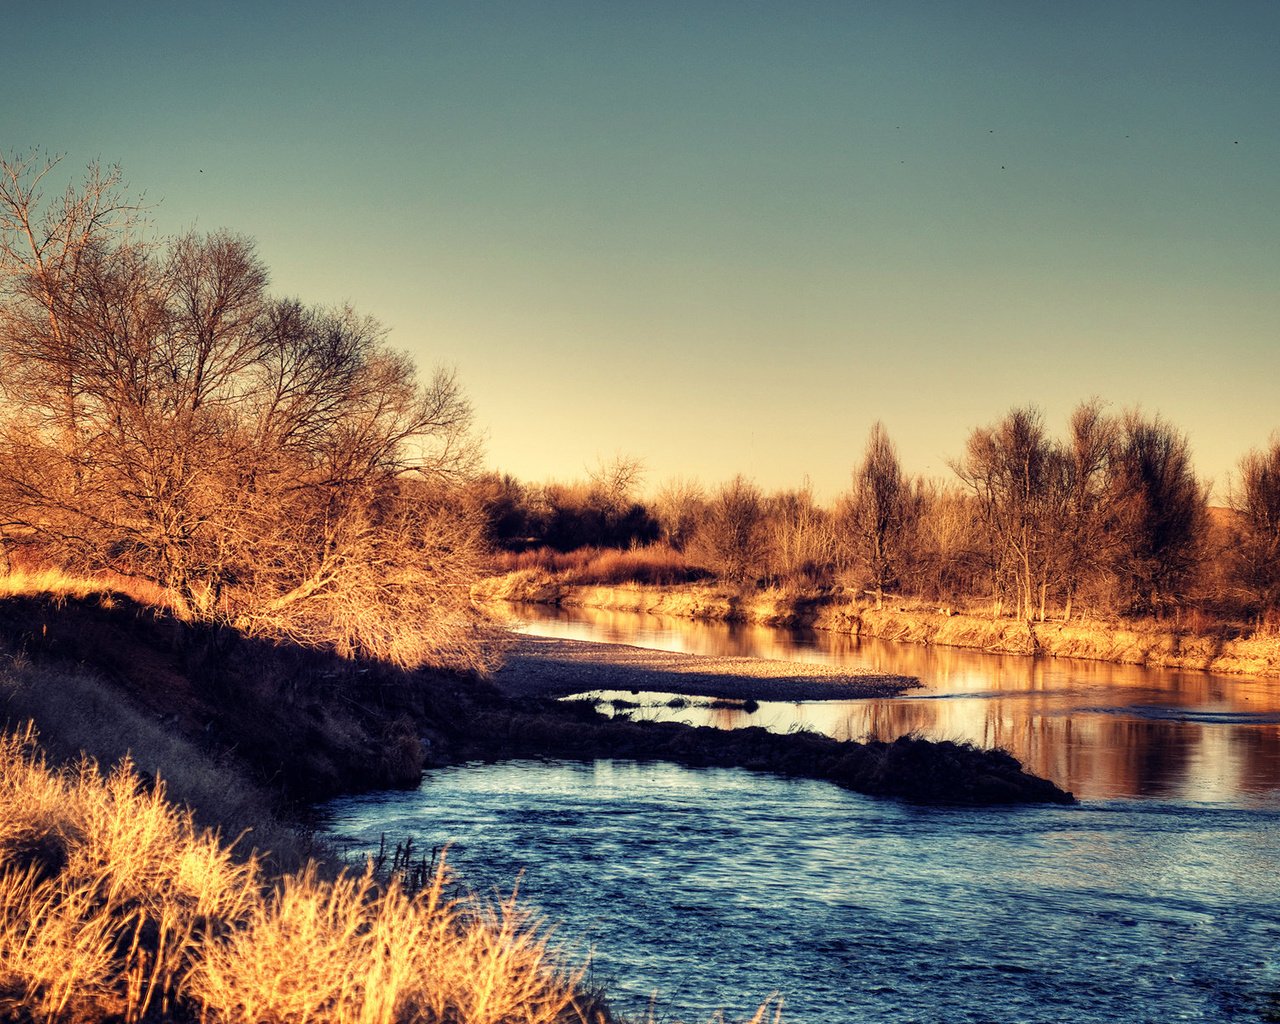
[
  {"x": 522, "y": 721},
  {"x": 198, "y": 704},
  {"x": 244, "y": 735},
  {"x": 1146, "y": 643}
]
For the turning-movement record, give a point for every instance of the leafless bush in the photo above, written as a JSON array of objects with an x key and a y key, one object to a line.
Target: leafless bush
[
  {"x": 880, "y": 513},
  {"x": 731, "y": 539},
  {"x": 169, "y": 421},
  {"x": 1255, "y": 499},
  {"x": 1160, "y": 512},
  {"x": 679, "y": 506}
]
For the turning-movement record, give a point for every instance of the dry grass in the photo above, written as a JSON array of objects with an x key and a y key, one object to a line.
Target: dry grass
[
  {"x": 114, "y": 905},
  {"x": 352, "y": 952},
  {"x": 656, "y": 564},
  {"x": 29, "y": 581},
  {"x": 24, "y": 582},
  {"x": 106, "y": 890}
]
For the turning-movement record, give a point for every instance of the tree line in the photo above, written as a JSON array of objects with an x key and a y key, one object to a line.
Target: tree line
[
  {"x": 264, "y": 463},
  {"x": 1106, "y": 519},
  {"x": 165, "y": 419}
]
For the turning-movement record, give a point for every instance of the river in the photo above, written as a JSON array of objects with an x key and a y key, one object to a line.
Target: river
[
  {"x": 1099, "y": 730},
  {"x": 1156, "y": 899}
]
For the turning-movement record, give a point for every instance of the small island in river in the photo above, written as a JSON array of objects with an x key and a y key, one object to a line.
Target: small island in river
[
  {"x": 547, "y": 667},
  {"x": 520, "y": 719}
]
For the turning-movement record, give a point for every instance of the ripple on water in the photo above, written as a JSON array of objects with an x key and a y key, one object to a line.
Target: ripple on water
[{"x": 714, "y": 888}]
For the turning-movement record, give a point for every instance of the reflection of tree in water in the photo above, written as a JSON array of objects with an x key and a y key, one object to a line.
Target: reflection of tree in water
[
  {"x": 1095, "y": 754},
  {"x": 1258, "y": 751},
  {"x": 1156, "y": 754}
]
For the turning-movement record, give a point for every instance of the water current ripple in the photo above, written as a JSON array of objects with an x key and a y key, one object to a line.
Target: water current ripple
[{"x": 711, "y": 889}]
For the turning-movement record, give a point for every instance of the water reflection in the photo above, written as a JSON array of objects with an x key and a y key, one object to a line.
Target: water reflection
[{"x": 1100, "y": 730}]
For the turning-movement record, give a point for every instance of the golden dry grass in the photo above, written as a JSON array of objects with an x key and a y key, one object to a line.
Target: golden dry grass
[
  {"x": 653, "y": 564},
  {"x": 115, "y": 906},
  {"x": 105, "y": 890},
  {"x": 30, "y": 581},
  {"x": 21, "y": 582}
]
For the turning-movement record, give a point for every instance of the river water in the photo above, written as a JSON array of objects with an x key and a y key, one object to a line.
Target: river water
[
  {"x": 1099, "y": 730},
  {"x": 1156, "y": 899}
]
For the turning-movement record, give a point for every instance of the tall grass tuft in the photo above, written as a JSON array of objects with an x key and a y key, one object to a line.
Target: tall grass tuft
[
  {"x": 105, "y": 890},
  {"x": 113, "y": 905}
]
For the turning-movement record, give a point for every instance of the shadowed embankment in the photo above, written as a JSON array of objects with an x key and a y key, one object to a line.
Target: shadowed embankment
[
  {"x": 105, "y": 674},
  {"x": 922, "y": 771}
]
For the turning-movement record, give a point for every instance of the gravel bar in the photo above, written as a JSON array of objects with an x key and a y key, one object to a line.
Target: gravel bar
[{"x": 544, "y": 667}]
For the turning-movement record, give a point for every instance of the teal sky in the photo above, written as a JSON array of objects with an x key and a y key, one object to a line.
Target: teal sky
[{"x": 724, "y": 237}]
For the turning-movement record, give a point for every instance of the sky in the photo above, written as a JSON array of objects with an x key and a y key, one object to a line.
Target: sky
[{"x": 723, "y": 237}]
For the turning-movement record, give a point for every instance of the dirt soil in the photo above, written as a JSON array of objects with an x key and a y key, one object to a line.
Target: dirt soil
[{"x": 542, "y": 667}]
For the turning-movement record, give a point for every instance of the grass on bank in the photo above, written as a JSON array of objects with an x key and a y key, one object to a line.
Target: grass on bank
[
  {"x": 118, "y": 904},
  {"x": 655, "y": 564},
  {"x": 23, "y": 581},
  {"x": 114, "y": 905}
]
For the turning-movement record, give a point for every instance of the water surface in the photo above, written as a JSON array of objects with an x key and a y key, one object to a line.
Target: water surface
[
  {"x": 1103, "y": 731},
  {"x": 714, "y": 888},
  {"x": 1156, "y": 899}
]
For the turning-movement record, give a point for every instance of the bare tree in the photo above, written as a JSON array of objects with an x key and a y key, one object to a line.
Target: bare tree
[
  {"x": 392, "y": 580},
  {"x": 1008, "y": 467},
  {"x": 1160, "y": 511},
  {"x": 47, "y": 245},
  {"x": 1083, "y": 537},
  {"x": 1256, "y": 501},
  {"x": 946, "y": 556},
  {"x": 679, "y": 506},
  {"x": 615, "y": 482},
  {"x": 801, "y": 536},
  {"x": 172, "y": 422},
  {"x": 880, "y": 512},
  {"x": 731, "y": 537}
]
